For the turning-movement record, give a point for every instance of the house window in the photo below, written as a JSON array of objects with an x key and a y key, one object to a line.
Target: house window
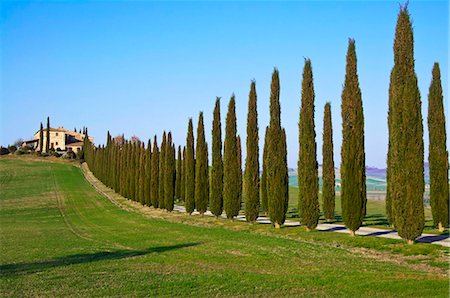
[
  {"x": 56, "y": 143},
  {"x": 56, "y": 135}
]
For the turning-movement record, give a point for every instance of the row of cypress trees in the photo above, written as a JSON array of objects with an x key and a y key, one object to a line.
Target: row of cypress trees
[{"x": 154, "y": 177}]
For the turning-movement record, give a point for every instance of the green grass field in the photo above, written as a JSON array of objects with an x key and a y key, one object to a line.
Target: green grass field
[{"x": 59, "y": 237}]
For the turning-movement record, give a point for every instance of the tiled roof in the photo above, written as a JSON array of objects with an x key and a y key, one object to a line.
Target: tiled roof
[{"x": 76, "y": 144}]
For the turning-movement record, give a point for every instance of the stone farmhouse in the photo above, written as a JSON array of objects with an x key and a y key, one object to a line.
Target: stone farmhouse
[{"x": 61, "y": 139}]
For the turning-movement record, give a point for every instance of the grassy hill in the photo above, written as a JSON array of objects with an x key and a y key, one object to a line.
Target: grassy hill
[{"x": 59, "y": 237}]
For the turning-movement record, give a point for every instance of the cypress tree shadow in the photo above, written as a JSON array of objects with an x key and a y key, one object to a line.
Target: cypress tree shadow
[
  {"x": 431, "y": 239},
  {"x": 32, "y": 267},
  {"x": 381, "y": 233},
  {"x": 335, "y": 229}
]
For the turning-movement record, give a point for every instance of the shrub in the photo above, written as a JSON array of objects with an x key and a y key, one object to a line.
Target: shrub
[
  {"x": 4, "y": 151},
  {"x": 12, "y": 148}
]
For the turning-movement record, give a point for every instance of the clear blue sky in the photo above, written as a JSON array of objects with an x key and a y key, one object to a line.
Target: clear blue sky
[{"x": 142, "y": 67}]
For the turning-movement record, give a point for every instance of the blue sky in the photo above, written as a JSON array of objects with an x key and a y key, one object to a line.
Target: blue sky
[{"x": 144, "y": 67}]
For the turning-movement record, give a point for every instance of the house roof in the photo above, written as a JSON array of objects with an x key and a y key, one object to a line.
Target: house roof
[
  {"x": 52, "y": 129},
  {"x": 76, "y": 144}
]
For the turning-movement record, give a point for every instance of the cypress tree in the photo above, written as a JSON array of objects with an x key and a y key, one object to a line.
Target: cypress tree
[
  {"x": 239, "y": 158},
  {"x": 353, "y": 166},
  {"x": 169, "y": 191},
  {"x": 216, "y": 195},
  {"x": 137, "y": 172},
  {"x": 154, "y": 182},
  {"x": 190, "y": 170},
  {"x": 264, "y": 203},
  {"x": 277, "y": 182},
  {"x": 162, "y": 172},
  {"x": 406, "y": 149},
  {"x": 179, "y": 163},
  {"x": 132, "y": 169},
  {"x": 183, "y": 176},
  {"x": 41, "y": 139},
  {"x": 231, "y": 185},
  {"x": 47, "y": 136},
  {"x": 308, "y": 181},
  {"x": 142, "y": 162},
  {"x": 438, "y": 155},
  {"x": 328, "y": 193},
  {"x": 251, "y": 175},
  {"x": 201, "y": 169},
  {"x": 148, "y": 173}
]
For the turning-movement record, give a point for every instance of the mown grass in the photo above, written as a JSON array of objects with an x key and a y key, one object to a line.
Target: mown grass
[{"x": 59, "y": 237}]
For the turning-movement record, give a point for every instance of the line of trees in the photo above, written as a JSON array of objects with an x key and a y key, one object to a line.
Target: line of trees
[{"x": 161, "y": 176}]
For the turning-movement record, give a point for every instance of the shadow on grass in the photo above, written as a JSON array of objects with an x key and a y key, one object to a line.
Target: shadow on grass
[{"x": 27, "y": 268}]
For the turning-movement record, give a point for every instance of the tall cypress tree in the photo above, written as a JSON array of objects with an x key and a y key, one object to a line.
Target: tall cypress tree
[
  {"x": 328, "y": 175},
  {"x": 353, "y": 165},
  {"x": 201, "y": 169},
  {"x": 277, "y": 181},
  {"x": 438, "y": 155},
  {"x": 169, "y": 169},
  {"x": 41, "y": 139},
  {"x": 216, "y": 195},
  {"x": 142, "y": 162},
  {"x": 405, "y": 157},
  {"x": 132, "y": 169},
  {"x": 264, "y": 203},
  {"x": 148, "y": 173},
  {"x": 154, "y": 182},
  {"x": 251, "y": 175},
  {"x": 239, "y": 158},
  {"x": 179, "y": 163},
  {"x": 308, "y": 181},
  {"x": 183, "y": 176},
  {"x": 47, "y": 136},
  {"x": 190, "y": 170},
  {"x": 162, "y": 172},
  {"x": 231, "y": 184}
]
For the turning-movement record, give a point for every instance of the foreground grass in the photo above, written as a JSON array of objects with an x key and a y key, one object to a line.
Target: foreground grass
[{"x": 61, "y": 238}]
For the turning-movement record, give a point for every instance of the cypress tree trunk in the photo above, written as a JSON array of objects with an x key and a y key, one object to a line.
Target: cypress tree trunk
[
  {"x": 201, "y": 169},
  {"x": 41, "y": 140},
  {"x": 264, "y": 203},
  {"x": 308, "y": 181},
  {"x": 328, "y": 176},
  {"x": 438, "y": 155},
  {"x": 353, "y": 166},
  {"x": 216, "y": 195},
  {"x": 183, "y": 176},
  {"x": 154, "y": 189},
  {"x": 47, "y": 136},
  {"x": 231, "y": 184},
  {"x": 277, "y": 182},
  {"x": 162, "y": 172},
  {"x": 406, "y": 176},
  {"x": 142, "y": 176},
  {"x": 251, "y": 175},
  {"x": 169, "y": 170},
  {"x": 190, "y": 170},
  {"x": 148, "y": 173},
  {"x": 178, "y": 175}
]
